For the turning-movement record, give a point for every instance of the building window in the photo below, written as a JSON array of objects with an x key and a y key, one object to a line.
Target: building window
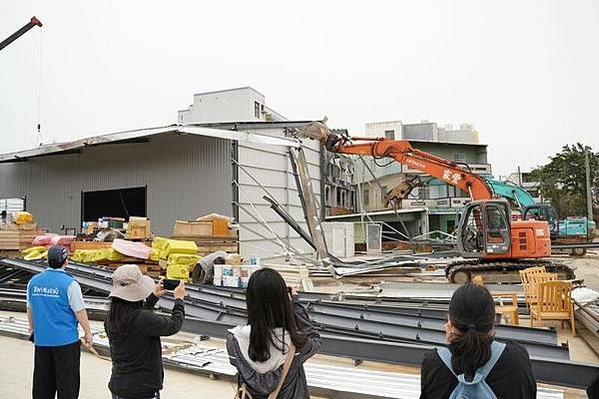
[
  {"x": 366, "y": 199},
  {"x": 383, "y": 193},
  {"x": 390, "y": 134},
  {"x": 459, "y": 158},
  {"x": 256, "y": 109}
]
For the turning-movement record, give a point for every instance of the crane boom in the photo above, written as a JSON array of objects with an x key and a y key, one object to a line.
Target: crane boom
[{"x": 33, "y": 22}]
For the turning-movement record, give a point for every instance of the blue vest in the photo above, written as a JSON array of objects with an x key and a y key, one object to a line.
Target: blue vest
[{"x": 54, "y": 323}]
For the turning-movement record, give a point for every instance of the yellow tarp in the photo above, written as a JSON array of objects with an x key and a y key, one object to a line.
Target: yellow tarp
[
  {"x": 166, "y": 246},
  {"x": 40, "y": 248},
  {"x": 96, "y": 255},
  {"x": 23, "y": 217},
  {"x": 36, "y": 254},
  {"x": 183, "y": 259},
  {"x": 179, "y": 265}
]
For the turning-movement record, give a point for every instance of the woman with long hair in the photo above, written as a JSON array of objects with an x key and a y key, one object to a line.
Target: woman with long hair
[
  {"x": 276, "y": 342},
  {"x": 474, "y": 355},
  {"x": 134, "y": 333}
]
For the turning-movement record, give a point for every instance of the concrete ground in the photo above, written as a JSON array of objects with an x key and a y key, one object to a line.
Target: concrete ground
[{"x": 16, "y": 358}]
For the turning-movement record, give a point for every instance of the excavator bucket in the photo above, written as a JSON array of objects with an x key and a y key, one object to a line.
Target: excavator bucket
[
  {"x": 401, "y": 191},
  {"x": 315, "y": 131}
]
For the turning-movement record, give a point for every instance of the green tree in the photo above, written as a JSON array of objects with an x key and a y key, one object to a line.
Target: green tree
[{"x": 563, "y": 180}]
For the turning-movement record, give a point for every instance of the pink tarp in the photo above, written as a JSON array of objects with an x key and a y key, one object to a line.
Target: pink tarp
[
  {"x": 53, "y": 239},
  {"x": 65, "y": 241},
  {"x": 132, "y": 249},
  {"x": 45, "y": 239}
]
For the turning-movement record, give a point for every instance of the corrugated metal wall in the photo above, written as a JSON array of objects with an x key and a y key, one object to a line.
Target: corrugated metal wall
[
  {"x": 270, "y": 165},
  {"x": 186, "y": 177}
]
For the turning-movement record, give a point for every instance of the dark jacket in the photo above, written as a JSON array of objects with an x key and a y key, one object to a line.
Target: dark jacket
[
  {"x": 136, "y": 351},
  {"x": 295, "y": 385},
  {"x": 510, "y": 378}
]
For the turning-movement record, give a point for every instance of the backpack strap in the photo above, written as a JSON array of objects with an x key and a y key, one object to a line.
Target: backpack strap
[
  {"x": 445, "y": 355},
  {"x": 496, "y": 352},
  {"x": 497, "y": 349}
]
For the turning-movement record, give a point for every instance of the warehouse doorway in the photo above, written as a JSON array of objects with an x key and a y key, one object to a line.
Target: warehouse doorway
[{"x": 123, "y": 202}]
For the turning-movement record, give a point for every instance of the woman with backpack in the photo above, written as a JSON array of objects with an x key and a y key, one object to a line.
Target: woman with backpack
[
  {"x": 269, "y": 352},
  {"x": 474, "y": 364}
]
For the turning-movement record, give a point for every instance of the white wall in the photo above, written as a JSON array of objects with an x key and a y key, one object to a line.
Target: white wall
[
  {"x": 377, "y": 129},
  {"x": 224, "y": 106}
]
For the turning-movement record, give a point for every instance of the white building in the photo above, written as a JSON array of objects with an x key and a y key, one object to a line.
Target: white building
[
  {"x": 241, "y": 104},
  {"x": 423, "y": 131}
]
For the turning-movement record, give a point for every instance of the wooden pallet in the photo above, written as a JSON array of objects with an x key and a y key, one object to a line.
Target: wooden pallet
[
  {"x": 17, "y": 239},
  {"x": 77, "y": 245},
  {"x": 208, "y": 245}
]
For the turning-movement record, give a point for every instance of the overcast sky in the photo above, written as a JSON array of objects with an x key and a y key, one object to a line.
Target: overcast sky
[{"x": 525, "y": 73}]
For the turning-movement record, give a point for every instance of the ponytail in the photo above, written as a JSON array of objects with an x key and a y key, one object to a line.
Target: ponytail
[{"x": 472, "y": 314}]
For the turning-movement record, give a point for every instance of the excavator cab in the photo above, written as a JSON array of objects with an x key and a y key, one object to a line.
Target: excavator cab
[
  {"x": 545, "y": 213},
  {"x": 485, "y": 229}
]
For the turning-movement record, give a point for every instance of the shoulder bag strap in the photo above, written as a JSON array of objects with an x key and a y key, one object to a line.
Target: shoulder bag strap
[
  {"x": 286, "y": 366},
  {"x": 243, "y": 393}
]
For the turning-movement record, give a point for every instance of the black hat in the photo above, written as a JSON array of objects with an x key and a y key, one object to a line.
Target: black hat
[{"x": 57, "y": 255}]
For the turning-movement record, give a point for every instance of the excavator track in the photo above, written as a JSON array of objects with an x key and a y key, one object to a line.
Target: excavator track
[{"x": 506, "y": 272}]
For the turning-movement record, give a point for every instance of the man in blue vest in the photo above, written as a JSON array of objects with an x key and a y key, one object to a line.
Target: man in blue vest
[{"x": 54, "y": 307}]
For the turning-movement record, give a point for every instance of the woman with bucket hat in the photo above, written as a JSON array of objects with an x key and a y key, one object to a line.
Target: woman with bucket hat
[{"x": 134, "y": 333}]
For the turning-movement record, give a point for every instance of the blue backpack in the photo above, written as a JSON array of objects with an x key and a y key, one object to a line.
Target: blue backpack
[{"x": 478, "y": 387}]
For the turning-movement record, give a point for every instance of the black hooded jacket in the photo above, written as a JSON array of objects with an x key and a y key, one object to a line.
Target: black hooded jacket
[{"x": 136, "y": 351}]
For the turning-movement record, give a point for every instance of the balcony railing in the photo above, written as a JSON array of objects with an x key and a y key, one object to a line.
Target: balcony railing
[{"x": 454, "y": 202}]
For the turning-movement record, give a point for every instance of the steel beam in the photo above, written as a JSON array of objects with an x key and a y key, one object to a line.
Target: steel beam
[
  {"x": 521, "y": 334},
  {"x": 213, "y": 303}
]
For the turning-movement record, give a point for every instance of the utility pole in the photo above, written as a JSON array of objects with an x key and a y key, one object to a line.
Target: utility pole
[
  {"x": 587, "y": 165},
  {"x": 519, "y": 177}
]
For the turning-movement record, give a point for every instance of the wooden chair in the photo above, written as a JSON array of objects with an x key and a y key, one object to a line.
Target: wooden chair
[
  {"x": 525, "y": 276},
  {"x": 535, "y": 279},
  {"x": 510, "y": 308},
  {"x": 554, "y": 303}
]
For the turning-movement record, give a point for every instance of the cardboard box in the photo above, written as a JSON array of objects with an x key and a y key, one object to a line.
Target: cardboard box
[{"x": 192, "y": 228}]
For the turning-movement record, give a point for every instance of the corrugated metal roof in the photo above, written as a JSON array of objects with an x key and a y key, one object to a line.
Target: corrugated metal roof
[{"x": 135, "y": 135}]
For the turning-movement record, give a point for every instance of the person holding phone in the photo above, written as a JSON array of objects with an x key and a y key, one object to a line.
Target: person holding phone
[
  {"x": 134, "y": 333},
  {"x": 270, "y": 351}
]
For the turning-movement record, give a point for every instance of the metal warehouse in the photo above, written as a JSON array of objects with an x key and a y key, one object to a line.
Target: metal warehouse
[{"x": 169, "y": 173}]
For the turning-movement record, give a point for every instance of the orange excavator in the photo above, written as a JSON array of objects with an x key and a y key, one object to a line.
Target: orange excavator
[{"x": 490, "y": 243}]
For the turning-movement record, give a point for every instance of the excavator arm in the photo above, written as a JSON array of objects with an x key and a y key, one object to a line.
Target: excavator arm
[{"x": 402, "y": 152}]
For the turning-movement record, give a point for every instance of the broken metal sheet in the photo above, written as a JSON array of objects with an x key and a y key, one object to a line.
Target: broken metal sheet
[
  {"x": 300, "y": 169},
  {"x": 253, "y": 138}
]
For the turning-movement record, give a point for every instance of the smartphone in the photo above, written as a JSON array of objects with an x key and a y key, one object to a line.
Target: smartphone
[{"x": 170, "y": 284}]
